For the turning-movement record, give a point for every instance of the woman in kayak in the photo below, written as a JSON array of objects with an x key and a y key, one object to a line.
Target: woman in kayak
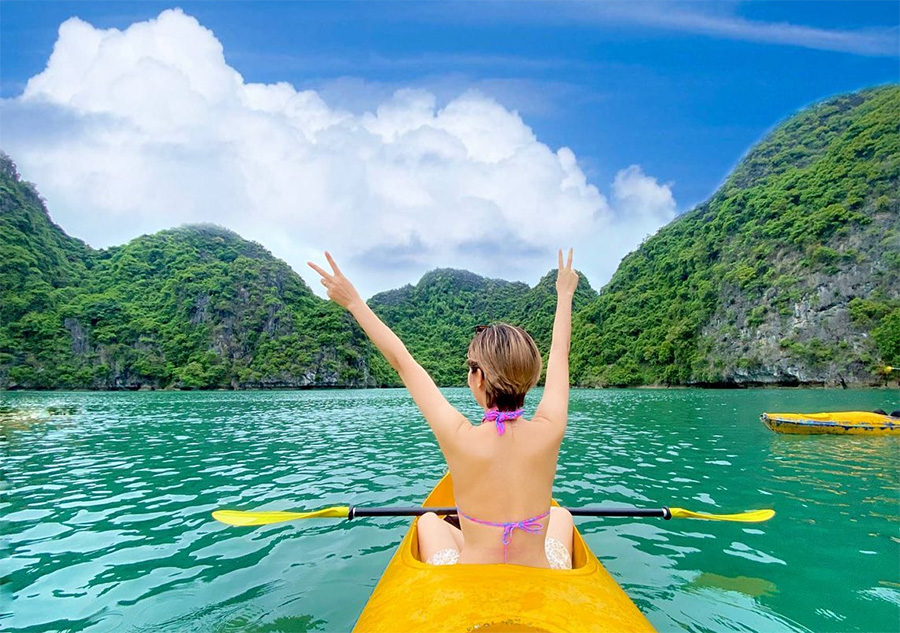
[{"x": 503, "y": 469}]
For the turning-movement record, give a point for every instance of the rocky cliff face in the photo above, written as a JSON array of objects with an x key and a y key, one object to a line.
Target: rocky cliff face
[
  {"x": 807, "y": 340},
  {"x": 802, "y": 329}
]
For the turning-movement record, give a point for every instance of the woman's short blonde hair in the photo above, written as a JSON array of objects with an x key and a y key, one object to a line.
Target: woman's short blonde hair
[{"x": 510, "y": 361}]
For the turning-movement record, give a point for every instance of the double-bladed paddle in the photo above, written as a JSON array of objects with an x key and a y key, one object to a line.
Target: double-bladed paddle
[{"x": 242, "y": 518}]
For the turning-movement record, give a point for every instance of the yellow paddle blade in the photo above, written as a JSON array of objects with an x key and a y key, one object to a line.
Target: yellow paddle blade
[
  {"x": 751, "y": 516},
  {"x": 236, "y": 517}
]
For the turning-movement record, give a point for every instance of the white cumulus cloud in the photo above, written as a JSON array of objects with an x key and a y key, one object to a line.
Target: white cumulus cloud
[{"x": 134, "y": 131}]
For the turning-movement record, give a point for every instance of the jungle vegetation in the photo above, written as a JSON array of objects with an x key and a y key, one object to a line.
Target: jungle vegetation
[{"x": 790, "y": 273}]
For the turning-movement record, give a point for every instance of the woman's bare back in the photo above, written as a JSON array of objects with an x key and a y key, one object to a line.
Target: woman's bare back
[{"x": 504, "y": 479}]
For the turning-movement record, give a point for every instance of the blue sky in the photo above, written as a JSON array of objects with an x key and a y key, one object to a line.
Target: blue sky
[{"x": 674, "y": 91}]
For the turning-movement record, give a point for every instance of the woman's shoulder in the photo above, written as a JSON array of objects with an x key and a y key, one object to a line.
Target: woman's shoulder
[{"x": 546, "y": 429}]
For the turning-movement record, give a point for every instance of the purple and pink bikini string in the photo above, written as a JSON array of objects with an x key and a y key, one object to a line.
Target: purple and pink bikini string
[
  {"x": 527, "y": 525},
  {"x": 501, "y": 418}
]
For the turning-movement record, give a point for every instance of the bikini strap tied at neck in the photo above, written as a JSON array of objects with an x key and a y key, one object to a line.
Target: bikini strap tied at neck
[{"x": 501, "y": 418}]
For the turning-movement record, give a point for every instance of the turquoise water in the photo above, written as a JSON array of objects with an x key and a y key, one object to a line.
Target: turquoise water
[{"x": 106, "y": 513}]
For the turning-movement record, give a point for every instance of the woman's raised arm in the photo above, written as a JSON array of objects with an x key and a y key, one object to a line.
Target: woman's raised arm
[
  {"x": 442, "y": 417},
  {"x": 554, "y": 405}
]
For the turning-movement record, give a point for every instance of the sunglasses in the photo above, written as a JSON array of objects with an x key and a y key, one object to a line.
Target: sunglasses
[{"x": 473, "y": 366}]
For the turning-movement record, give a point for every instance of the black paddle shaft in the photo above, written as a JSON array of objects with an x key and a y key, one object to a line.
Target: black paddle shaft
[{"x": 662, "y": 513}]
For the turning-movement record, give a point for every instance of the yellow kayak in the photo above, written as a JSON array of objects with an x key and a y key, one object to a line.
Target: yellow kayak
[
  {"x": 840, "y": 422},
  {"x": 414, "y": 596}
]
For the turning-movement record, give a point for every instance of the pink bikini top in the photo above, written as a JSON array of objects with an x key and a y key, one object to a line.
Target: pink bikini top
[{"x": 531, "y": 525}]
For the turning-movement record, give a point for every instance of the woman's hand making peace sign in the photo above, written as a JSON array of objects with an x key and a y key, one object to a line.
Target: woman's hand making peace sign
[
  {"x": 566, "y": 277},
  {"x": 339, "y": 288}
]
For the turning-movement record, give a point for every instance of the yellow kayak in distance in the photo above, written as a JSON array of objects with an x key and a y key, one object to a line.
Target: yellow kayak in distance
[
  {"x": 415, "y": 596},
  {"x": 836, "y": 423}
]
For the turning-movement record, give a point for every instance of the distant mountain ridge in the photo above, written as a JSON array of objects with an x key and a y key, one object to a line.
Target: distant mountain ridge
[{"x": 789, "y": 274}]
